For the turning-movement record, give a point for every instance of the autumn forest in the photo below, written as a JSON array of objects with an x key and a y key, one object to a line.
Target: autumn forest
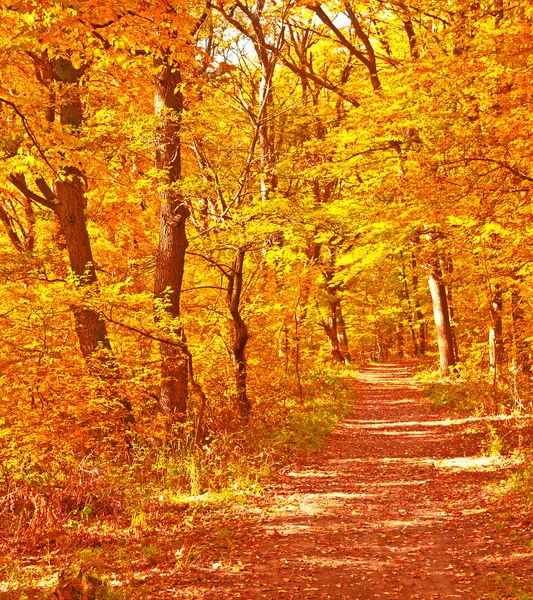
[{"x": 214, "y": 217}]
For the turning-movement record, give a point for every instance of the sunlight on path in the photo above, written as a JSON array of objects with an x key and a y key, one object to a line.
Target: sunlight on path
[{"x": 393, "y": 508}]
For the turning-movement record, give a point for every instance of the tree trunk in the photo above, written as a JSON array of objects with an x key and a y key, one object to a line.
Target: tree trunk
[
  {"x": 300, "y": 313},
  {"x": 342, "y": 335},
  {"x": 448, "y": 266},
  {"x": 381, "y": 347},
  {"x": 409, "y": 312},
  {"x": 331, "y": 327},
  {"x": 419, "y": 315},
  {"x": 173, "y": 214},
  {"x": 335, "y": 329},
  {"x": 70, "y": 210},
  {"x": 498, "y": 11},
  {"x": 442, "y": 319},
  {"x": 521, "y": 358},
  {"x": 400, "y": 340},
  {"x": 90, "y": 328},
  {"x": 266, "y": 145},
  {"x": 496, "y": 345},
  {"x": 67, "y": 200},
  {"x": 240, "y": 333}
]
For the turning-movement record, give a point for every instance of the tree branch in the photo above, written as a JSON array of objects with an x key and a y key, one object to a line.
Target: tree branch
[
  {"x": 302, "y": 73},
  {"x": 12, "y": 234},
  {"x": 29, "y": 132},
  {"x": 147, "y": 334},
  {"x": 321, "y": 14},
  {"x": 19, "y": 182},
  {"x": 500, "y": 163}
]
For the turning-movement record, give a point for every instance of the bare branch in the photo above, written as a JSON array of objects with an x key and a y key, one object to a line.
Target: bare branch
[
  {"x": 29, "y": 132},
  {"x": 320, "y": 81},
  {"x": 500, "y": 163}
]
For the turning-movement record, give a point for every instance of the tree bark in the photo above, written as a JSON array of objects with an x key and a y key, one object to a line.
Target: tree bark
[
  {"x": 409, "y": 312},
  {"x": 496, "y": 345},
  {"x": 70, "y": 206},
  {"x": 173, "y": 214},
  {"x": 498, "y": 11},
  {"x": 448, "y": 267},
  {"x": 419, "y": 315},
  {"x": 66, "y": 198},
  {"x": 331, "y": 328},
  {"x": 335, "y": 327},
  {"x": 240, "y": 334},
  {"x": 70, "y": 203},
  {"x": 91, "y": 330},
  {"x": 521, "y": 357},
  {"x": 342, "y": 335},
  {"x": 442, "y": 319}
]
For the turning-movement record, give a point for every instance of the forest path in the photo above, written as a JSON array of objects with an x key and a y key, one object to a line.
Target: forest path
[{"x": 393, "y": 507}]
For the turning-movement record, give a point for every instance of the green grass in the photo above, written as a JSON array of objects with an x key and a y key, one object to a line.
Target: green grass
[
  {"x": 506, "y": 585},
  {"x": 461, "y": 397},
  {"x": 521, "y": 482}
]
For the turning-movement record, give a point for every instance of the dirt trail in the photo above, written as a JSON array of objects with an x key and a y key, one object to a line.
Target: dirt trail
[{"x": 394, "y": 507}]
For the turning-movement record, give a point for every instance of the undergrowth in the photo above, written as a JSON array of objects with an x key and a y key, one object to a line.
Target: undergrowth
[
  {"x": 94, "y": 525},
  {"x": 499, "y": 410},
  {"x": 505, "y": 426},
  {"x": 521, "y": 482},
  {"x": 467, "y": 393},
  {"x": 506, "y": 585}
]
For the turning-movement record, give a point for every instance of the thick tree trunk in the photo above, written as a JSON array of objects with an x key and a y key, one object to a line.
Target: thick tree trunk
[
  {"x": 67, "y": 200},
  {"x": 411, "y": 36},
  {"x": 170, "y": 263},
  {"x": 441, "y": 314},
  {"x": 335, "y": 327},
  {"x": 69, "y": 207},
  {"x": 240, "y": 334},
  {"x": 331, "y": 328},
  {"x": 70, "y": 203},
  {"x": 91, "y": 329}
]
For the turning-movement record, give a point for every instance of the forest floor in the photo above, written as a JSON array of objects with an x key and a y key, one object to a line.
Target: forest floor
[
  {"x": 399, "y": 504},
  {"x": 403, "y": 501}
]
